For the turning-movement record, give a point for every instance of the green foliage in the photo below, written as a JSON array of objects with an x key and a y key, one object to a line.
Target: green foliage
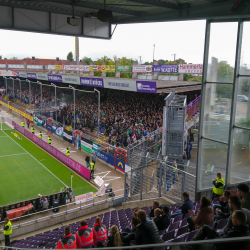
[
  {"x": 0, "y": 56},
  {"x": 124, "y": 61},
  {"x": 88, "y": 60},
  {"x": 189, "y": 77},
  {"x": 162, "y": 62},
  {"x": 225, "y": 72},
  {"x": 70, "y": 56}
]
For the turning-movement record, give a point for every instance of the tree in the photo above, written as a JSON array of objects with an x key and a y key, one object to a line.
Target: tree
[
  {"x": 70, "y": 56},
  {"x": 1, "y": 57},
  {"x": 88, "y": 60},
  {"x": 225, "y": 73}
]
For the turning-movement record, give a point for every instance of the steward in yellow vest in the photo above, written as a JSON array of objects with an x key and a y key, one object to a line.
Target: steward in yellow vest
[
  {"x": 32, "y": 130},
  {"x": 67, "y": 152},
  {"x": 40, "y": 135},
  {"x": 7, "y": 230},
  {"x": 49, "y": 140},
  {"x": 22, "y": 124},
  {"x": 92, "y": 169},
  {"x": 219, "y": 185}
]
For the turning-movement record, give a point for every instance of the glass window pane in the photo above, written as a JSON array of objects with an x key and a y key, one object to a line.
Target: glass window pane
[
  {"x": 242, "y": 115},
  {"x": 240, "y": 156},
  {"x": 217, "y": 111},
  {"x": 222, "y": 47},
  {"x": 245, "y": 50},
  {"x": 213, "y": 160}
]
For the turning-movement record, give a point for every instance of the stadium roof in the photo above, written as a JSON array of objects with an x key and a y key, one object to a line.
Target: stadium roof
[{"x": 49, "y": 16}]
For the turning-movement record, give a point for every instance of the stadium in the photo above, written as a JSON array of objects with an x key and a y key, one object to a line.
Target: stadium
[{"x": 125, "y": 155}]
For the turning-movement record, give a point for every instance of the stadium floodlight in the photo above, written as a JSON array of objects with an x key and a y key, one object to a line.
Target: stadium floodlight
[
  {"x": 95, "y": 90},
  {"x": 74, "y": 92}
]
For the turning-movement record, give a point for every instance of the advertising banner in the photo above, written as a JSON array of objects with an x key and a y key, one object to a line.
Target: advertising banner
[
  {"x": 108, "y": 158},
  {"x": 55, "y": 67},
  {"x": 96, "y": 147},
  {"x": 42, "y": 76},
  {"x": 120, "y": 84},
  {"x": 55, "y": 78},
  {"x": 7, "y": 73},
  {"x": 76, "y": 67},
  {"x": 123, "y": 68},
  {"x": 99, "y": 181},
  {"x": 71, "y": 79},
  {"x": 59, "y": 131},
  {"x": 67, "y": 136},
  {"x": 31, "y": 75},
  {"x": 108, "y": 68},
  {"x": 165, "y": 68},
  {"x": 83, "y": 198},
  {"x": 93, "y": 82},
  {"x": 146, "y": 86},
  {"x": 22, "y": 74},
  {"x": 120, "y": 165},
  {"x": 190, "y": 68},
  {"x": 58, "y": 154},
  {"x": 17, "y": 111},
  {"x": 87, "y": 147},
  {"x": 95, "y": 67},
  {"x": 142, "y": 68}
]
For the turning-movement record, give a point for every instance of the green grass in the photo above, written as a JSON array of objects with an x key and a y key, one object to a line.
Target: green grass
[{"x": 23, "y": 177}]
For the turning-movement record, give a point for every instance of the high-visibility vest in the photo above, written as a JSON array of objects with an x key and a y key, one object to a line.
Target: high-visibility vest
[
  {"x": 219, "y": 190},
  {"x": 67, "y": 152},
  {"x": 22, "y": 124},
  {"x": 32, "y": 130},
  {"x": 40, "y": 135},
  {"x": 84, "y": 237},
  {"x": 100, "y": 232},
  {"x": 49, "y": 140},
  {"x": 92, "y": 166},
  {"x": 175, "y": 168},
  {"x": 8, "y": 231},
  {"x": 67, "y": 242}
]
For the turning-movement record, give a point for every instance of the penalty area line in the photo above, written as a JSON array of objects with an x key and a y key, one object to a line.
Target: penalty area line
[
  {"x": 36, "y": 160},
  {"x": 13, "y": 154}
]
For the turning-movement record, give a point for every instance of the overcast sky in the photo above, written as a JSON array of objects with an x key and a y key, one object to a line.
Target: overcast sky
[{"x": 185, "y": 39}]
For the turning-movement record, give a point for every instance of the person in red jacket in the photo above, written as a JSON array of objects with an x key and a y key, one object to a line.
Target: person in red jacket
[
  {"x": 68, "y": 241},
  {"x": 84, "y": 235},
  {"x": 100, "y": 232}
]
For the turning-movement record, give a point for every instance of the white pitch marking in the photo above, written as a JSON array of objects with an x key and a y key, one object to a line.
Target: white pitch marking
[
  {"x": 114, "y": 179},
  {"x": 36, "y": 160},
  {"x": 42, "y": 160},
  {"x": 102, "y": 172},
  {"x": 13, "y": 154},
  {"x": 106, "y": 174}
]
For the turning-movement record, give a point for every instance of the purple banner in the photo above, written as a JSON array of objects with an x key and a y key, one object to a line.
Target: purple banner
[
  {"x": 146, "y": 86},
  {"x": 17, "y": 73},
  {"x": 31, "y": 75},
  {"x": 55, "y": 78},
  {"x": 58, "y": 154},
  {"x": 93, "y": 82},
  {"x": 168, "y": 68}
]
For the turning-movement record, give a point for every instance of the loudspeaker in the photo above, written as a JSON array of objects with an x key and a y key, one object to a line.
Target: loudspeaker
[
  {"x": 104, "y": 15},
  {"x": 239, "y": 6}
]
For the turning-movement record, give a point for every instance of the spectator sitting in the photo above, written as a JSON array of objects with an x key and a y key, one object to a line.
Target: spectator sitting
[
  {"x": 131, "y": 236},
  {"x": 115, "y": 238},
  {"x": 239, "y": 229},
  {"x": 205, "y": 215},
  {"x": 234, "y": 203},
  {"x": 68, "y": 241},
  {"x": 84, "y": 235},
  {"x": 187, "y": 205},
  {"x": 244, "y": 194},
  {"x": 146, "y": 232},
  {"x": 155, "y": 205},
  {"x": 135, "y": 212},
  {"x": 162, "y": 222},
  {"x": 100, "y": 232},
  {"x": 222, "y": 211}
]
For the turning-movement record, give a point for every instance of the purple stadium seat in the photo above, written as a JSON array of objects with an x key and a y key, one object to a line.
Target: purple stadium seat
[
  {"x": 179, "y": 239},
  {"x": 183, "y": 223},
  {"x": 188, "y": 215},
  {"x": 161, "y": 232},
  {"x": 221, "y": 224},
  {"x": 211, "y": 225},
  {"x": 178, "y": 218},
  {"x": 159, "y": 248},
  {"x": 173, "y": 226},
  {"x": 168, "y": 236},
  {"x": 182, "y": 230},
  {"x": 190, "y": 236}
]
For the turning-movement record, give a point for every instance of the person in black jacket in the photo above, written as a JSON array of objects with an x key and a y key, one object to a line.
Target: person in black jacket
[
  {"x": 131, "y": 236},
  {"x": 155, "y": 205},
  {"x": 222, "y": 211},
  {"x": 162, "y": 222},
  {"x": 146, "y": 232},
  {"x": 239, "y": 229},
  {"x": 87, "y": 159}
]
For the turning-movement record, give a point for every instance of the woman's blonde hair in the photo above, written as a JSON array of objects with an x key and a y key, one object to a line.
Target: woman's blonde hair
[{"x": 117, "y": 238}]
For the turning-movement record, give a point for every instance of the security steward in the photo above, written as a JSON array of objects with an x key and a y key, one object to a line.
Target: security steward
[
  {"x": 32, "y": 130},
  {"x": 84, "y": 236},
  {"x": 67, "y": 152},
  {"x": 7, "y": 230},
  {"x": 219, "y": 185},
  {"x": 49, "y": 140},
  {"x": 22, "y": 124},
  {"x": 40, "y": 135},
  {"x": 68, "y": 241},
  {"x": 174, "y": 171},
  {"x": 100, "y": 231},
  {"x": 92, "y": 169}
]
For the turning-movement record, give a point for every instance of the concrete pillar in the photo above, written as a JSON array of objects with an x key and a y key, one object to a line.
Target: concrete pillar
[
  {"x": 155, "y": 75},
  {"x": 25, "y": 67},
  {"x": 91, "y": 73},
  {"x": 104, "y": 72},
  {"x": 72, "y": 71},
  {"x": 7, "y": 66},
  {"x": 181, "y": 76},
  {"x": 49, "y": 70},
  {"x": 117, "y": 74},
  {"x": 134, "y": 75},
  {"x": 63, "y": 71},
  {"x": 43, "y": 67}
]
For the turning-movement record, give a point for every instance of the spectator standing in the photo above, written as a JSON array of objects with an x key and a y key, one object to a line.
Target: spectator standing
[
  {"x": 44, "y": 204},
  {"x": 205, "y": 215},
  {"x": 115, "y": 238},
  {"x": 7, "y": 231},
  {"x": 185, "y": 207},
  {"x": 92, "y": 170},
  {"x": 218, "y": 186},
  {"x": 155, "y": 205},
  {"x": 68, "y": 241},
  {"x": 100, "y": 232},
  {"x": 87, "y": 159},
  {"x": 28, "y": 123},
  {"x": 244, "y": 194},
  {"x": 84, "y": 236},
  {"x": 94, "y": 157},
  {"x": 222, "y": 211}
]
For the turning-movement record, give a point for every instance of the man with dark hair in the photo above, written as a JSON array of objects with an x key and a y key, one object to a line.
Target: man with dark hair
[
  {"x": 162, "y": 222},
  {"x": 68, "y": 241},
  {"x": 187, "y": 205},
  {"x": 84, "y": 235},
  {"x": 131, "y": 236},
  {"x": 222, "y": 211},
  {"x": 155, "y": 205},
  {"x": 239, "y": 229},
  {"x": 244, "y": 194},
  {"x": 146, "y": 232}
]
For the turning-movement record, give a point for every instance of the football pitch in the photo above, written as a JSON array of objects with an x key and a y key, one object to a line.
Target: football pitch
[{"x": 27, "y": 170}]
